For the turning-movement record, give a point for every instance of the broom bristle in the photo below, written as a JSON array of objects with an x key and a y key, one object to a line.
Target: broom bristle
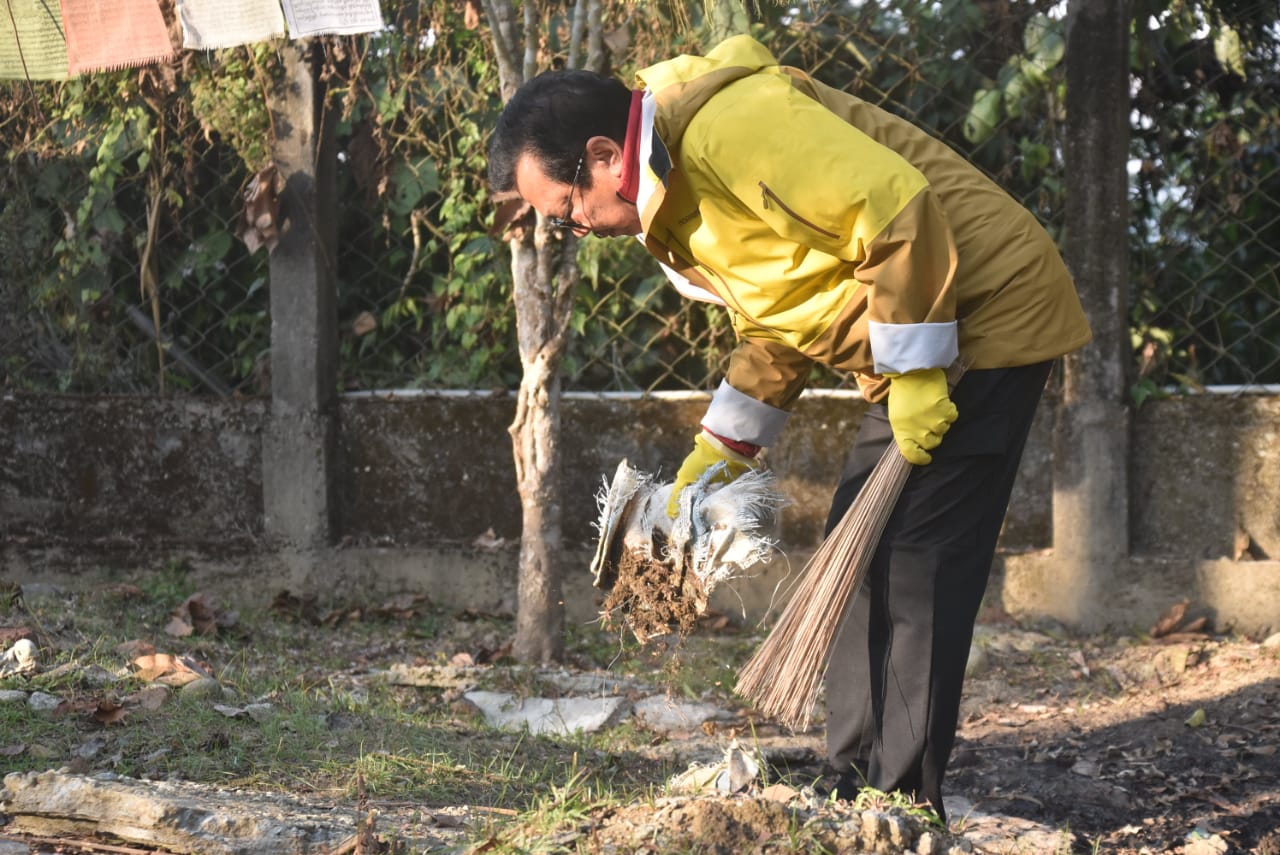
[{"x": 784, "y": 676}]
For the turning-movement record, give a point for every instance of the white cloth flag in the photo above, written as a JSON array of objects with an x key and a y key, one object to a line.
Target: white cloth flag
[
  {"x": 340, "y": 17},
  {"x": 212, "y": 24}
]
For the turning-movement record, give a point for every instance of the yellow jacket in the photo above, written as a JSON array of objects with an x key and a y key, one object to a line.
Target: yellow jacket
[{"x": 834, "y": 232}]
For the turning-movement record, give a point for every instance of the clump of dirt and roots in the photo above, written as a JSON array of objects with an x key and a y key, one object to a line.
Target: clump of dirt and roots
[{"x": 653, "y": 598}]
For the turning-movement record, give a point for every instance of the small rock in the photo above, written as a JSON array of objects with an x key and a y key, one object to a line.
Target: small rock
[
  {"x": 12, "y": 696},
  {"x": 14, "y": 847},
  {"x": 1086, "y": 768},
  {"x": 664, "y": 714},
  {"x": 42, "y": 702},
  {"x": 874, "y": 828},
  {"x": 1273, "y": 641},
  {"x": 928, "y": 844},
  {"x": 98, "y": 677},
  {"x": 897, "y": 832},
  {"x": 203, "y": 687}
]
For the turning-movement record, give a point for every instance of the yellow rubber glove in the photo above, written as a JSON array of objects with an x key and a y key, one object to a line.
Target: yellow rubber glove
[
  {"x": 920, "y": 412},
  {"x": 707, "y": 452}
]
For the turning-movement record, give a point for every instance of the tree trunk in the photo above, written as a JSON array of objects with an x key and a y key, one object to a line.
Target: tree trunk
[
  {"x": 545, "y": 271},
  {"x": 1091, "y": 444}
]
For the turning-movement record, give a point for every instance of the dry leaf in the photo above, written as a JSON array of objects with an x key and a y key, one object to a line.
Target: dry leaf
[
  {"x": 125, "y": 591},
  {"x": 403, "y": 606},
  {"x": 109, "y": 712},
  {"x": 779, "y": 793},
  {"x": 295, "y": 608},
  {"x": 484, "y": 656},
  {"x": 364, "y": 324},
  {"x": 66, "y": 708},
  {"x": 133, "y": 649},
  {"x": 179, "y": 628},
  {"x": 444, "y": 820},
  {"x": 1170, "y": 619},
  {"x": 259, "y": 221},
  {"x": 488, "y": 540},
  {"x": 168, "y": 669},
  {"x": 471, "y": 14},
  {"x": 204, "y": 617},
  {"x": 1240, "y": 547},
  {"x": 10, "y": 634}
]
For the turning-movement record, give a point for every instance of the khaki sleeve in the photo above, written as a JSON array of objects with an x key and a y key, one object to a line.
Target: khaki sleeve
[
  {"x": 768, "y": 371},
  {"x": 910, "y": 271},
  {"x": 910, "y": 266}
]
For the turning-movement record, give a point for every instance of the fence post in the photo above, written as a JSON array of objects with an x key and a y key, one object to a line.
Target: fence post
[
  {"x": 1091, "y": 443},
  {"x": 301, "y": 434}
]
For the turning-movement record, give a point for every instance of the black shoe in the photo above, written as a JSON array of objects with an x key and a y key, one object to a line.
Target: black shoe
[{"x": 842, "y": 786}]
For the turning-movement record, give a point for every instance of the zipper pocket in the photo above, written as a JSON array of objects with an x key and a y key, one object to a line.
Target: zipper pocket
[{"x": 768, "y": 194}]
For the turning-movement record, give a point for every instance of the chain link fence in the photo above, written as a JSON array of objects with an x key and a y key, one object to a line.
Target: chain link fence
[{"x": 121, "y": 199}]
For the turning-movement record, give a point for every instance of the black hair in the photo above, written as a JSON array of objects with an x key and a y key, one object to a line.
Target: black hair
[{"x": 551, "y": 117}]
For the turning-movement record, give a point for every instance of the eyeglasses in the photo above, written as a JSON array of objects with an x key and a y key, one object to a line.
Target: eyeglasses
[{"x": 567, "y": 221}]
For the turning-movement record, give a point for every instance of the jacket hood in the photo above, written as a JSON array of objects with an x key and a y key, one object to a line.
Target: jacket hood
[{"x": 684, "y": 84}]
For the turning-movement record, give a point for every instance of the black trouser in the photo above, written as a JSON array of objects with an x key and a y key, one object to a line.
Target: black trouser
[{"x": 897, "y": 667}]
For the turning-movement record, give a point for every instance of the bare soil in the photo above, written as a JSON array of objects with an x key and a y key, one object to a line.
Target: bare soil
[
  {"x": 1136, "y": 746},
  {"x": 1127, "y": 745}
]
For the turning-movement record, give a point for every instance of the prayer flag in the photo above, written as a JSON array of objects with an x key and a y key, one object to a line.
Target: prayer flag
[
  {"x": 209, "y": 24},
  {"x": 32, "y": 43},
  {"x": 104, "y": 35},
  {"x": 340, "y": 17}
]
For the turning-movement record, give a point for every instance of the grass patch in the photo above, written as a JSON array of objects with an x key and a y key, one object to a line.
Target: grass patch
[{"x": 324, "y": 714}]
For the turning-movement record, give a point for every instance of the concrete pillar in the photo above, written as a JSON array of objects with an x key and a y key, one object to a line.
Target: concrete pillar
[
  {"x": 1091, "y": 447},
  {"x": 298, "y": 448}
]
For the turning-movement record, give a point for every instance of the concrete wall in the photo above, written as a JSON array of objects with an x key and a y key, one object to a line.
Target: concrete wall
[{"x": 421, "y": 481}]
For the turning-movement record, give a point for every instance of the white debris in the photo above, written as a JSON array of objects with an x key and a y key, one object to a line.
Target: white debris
[
  {"x": 21, "y": 658},
  {"x": 560, "y": 716},
  {"x": 720, "y": 532},
  {"x": 733, "y": 774}
]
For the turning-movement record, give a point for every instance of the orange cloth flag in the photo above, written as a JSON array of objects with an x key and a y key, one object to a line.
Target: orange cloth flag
[{"x": 108, "y": 34}]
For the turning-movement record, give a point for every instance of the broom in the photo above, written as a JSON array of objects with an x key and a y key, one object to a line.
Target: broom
[{"x": 784, "y": 676}]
